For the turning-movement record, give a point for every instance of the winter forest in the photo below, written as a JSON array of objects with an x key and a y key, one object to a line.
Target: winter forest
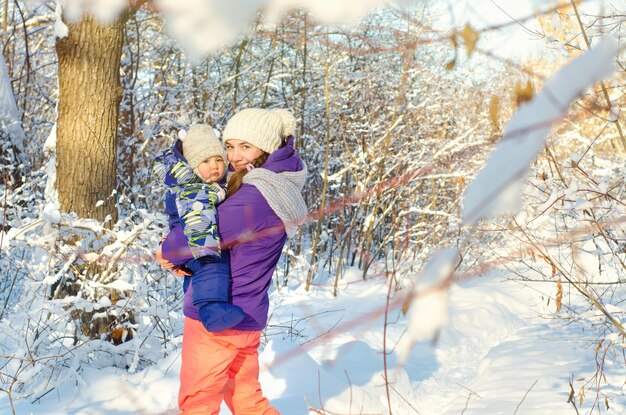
[{"x": 465, "y": 244}]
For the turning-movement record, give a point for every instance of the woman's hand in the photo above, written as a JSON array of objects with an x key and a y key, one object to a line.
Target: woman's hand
[
  {"x": 162, "y": 261},
  {"x": 177, "y": 271}
]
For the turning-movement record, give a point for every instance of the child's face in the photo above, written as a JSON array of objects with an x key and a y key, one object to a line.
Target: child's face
[{"x": 212, "y": 169}]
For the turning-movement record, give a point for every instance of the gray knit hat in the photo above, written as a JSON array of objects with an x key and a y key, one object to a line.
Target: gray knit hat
[
  {"x": 264, "y": 129},
  {"x": 199, "y": 144}
]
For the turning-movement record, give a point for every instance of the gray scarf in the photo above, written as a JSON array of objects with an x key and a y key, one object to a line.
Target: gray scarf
[{"x": 283, "y": 192}]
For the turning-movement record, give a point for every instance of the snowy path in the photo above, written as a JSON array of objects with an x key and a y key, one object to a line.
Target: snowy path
[
  {"x": 526, "y": 367},
  {"x": 524, "y": 370},
  {"x": 497, "y": 355}
]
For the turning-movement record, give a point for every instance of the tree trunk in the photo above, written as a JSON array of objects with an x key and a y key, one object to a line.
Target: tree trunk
[{"x": 89, "y": 97}]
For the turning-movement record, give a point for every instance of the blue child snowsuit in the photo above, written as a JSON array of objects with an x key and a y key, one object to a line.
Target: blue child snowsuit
[{"x": 191, "y": 204}]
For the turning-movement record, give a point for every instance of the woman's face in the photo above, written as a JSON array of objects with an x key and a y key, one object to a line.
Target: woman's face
[{"x": 241, "y": 153}]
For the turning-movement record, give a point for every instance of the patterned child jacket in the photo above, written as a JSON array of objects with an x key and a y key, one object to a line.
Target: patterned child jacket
[{"x": 189, "y": 202}]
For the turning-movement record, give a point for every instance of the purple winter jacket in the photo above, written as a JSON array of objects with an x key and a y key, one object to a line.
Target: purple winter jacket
[{"x": 254, "y": 236}]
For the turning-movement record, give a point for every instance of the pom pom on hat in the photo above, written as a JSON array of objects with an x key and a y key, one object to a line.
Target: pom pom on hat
[
  {"x": 288, "y": 121},
  {"x": 200, "y": 143},
  {"x": 264, "y": 129}
]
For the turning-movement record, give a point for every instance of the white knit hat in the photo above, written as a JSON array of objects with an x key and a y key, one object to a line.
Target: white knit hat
[
  {"x": 264, "y": 129},
  {"x": 199, "y": 144}
]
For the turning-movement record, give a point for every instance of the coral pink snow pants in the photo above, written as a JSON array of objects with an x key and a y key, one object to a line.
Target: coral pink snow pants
[{"x": 221, "y": 366}]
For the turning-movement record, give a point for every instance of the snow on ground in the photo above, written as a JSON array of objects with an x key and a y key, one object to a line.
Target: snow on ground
[{"x": 501, "y": 351}]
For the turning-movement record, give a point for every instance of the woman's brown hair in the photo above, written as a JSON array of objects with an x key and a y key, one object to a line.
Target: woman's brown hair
[{"x": 236, "y": 179}]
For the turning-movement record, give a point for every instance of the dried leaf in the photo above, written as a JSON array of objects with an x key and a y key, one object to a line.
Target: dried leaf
[
  {"x": 461, "y": 181},
  {"x": 559, "y": 296},
  {"x": 599, "y": 346},
  {"x": 530, "y": 88},
  {"x": 450, "y": 65},
  {"x": 524, "y": 93},
  {"x": 407, "y": 303},
  {"x": 571, "y": 393},
  {"x": 470, "y": 37},
  {"x": 581, "y": 395},
  {"x": 120, "y": 335},
  {"x": 494, "y": 112}
]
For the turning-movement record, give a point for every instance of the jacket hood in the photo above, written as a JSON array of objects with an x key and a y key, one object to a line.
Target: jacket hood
[
  {"x": 172, "y": 169},
  {"x": 284, "y": 159}
]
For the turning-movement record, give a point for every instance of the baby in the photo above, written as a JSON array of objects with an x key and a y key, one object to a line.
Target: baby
[{"x": 193, "y": 173}]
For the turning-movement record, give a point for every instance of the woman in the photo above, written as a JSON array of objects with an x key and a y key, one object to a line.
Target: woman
[{"x": 263, "y": 207}]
